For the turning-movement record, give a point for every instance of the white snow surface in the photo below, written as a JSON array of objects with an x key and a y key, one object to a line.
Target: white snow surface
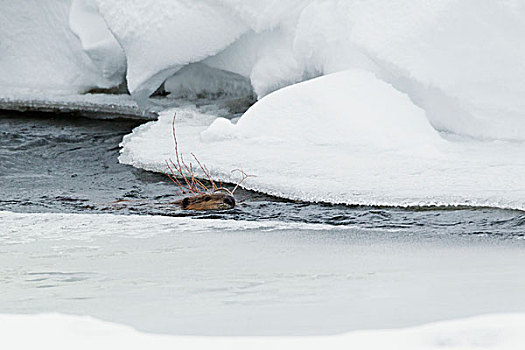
[
  {"x": 346, "y": 137},
  {"x": 160, "y": 37},
  {"x": 97, "y": 41},
  {"x": 460, "y": 60},
  {"x": 40, "y": 52},
  {"x": 56, "y": 331}
]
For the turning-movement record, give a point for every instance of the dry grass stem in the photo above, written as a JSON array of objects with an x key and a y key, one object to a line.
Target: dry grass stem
[{"x": 182, "y": 173}]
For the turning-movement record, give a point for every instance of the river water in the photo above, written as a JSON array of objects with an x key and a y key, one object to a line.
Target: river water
[
  {"x": 269, "y": 266},
  {"x": 59, "y": 163}
]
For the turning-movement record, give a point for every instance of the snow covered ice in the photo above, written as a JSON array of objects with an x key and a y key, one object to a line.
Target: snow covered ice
[
  {"x": 223, "y": 277},
  {"x": 461, "y": 61}
]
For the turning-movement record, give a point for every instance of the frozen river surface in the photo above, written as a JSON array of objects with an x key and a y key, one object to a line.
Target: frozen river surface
[{"x": 219, "y": 277}]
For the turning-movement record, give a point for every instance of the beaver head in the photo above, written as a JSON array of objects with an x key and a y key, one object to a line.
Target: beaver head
[{"x": 215, "y": 201}]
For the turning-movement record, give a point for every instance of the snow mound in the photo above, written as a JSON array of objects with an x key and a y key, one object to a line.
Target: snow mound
[
  {"x": 346, "y": 137},
  {"x": 499, "y": 331},
  {"x": 353, "y": 107},
  {"x": 40, "y": 52},
  {"x": 461, "y": 61}
]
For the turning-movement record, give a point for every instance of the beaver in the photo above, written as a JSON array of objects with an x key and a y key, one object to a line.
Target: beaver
[{"x": 213, "y": 201}]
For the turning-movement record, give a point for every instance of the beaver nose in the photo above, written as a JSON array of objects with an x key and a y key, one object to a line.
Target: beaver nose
[{"x": 229, "y": 200}]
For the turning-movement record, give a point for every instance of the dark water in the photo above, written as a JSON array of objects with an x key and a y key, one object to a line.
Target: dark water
[{"x": 61, "y": 163}]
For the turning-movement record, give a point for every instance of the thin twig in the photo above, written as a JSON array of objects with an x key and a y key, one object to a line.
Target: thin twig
[
  {"x": 244, "y": 177},
  {"x": 181, "y": 169},
  {"x": 205, "y": 171}
]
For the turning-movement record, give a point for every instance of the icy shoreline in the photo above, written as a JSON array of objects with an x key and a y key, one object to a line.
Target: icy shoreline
[{"x": 101, "y": 105}]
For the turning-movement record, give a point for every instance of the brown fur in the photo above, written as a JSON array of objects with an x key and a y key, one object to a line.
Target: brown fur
[{"x": 215, "y": 201}]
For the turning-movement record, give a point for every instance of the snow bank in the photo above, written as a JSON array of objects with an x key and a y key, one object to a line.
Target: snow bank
[
  {"x": 347, "y": 137},
  {"x": 40, "y": 52},
  {"x": 461, "y": 61},
  {"x": 503, "y": 331},
  {"x": 351, "y": 108}
]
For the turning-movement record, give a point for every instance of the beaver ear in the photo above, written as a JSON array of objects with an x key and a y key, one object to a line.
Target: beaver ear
[{"x": 185, "y": 203}]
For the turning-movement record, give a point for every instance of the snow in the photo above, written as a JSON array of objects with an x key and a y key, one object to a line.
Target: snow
[
  {"x": 184, "y": 32},
  {"x": 97, "y": 41},
  {"x": 179, "y": 275},
  {"x": 461, "y": 61},
  {"x": 342, "y": 105},
  {"x": 40, "y": 52},
  {"x": 65, "y": 332},
  {"x": 376, "y": 102},
  {"x": 346, "y": 137}
]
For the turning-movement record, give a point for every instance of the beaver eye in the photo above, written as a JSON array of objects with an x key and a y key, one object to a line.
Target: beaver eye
[{"x": 207, "y": 198}]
